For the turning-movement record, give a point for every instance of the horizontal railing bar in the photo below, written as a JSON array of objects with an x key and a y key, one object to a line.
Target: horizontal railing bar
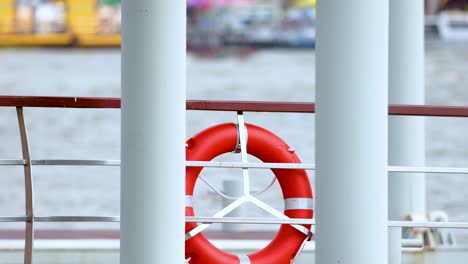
[
  {"x": 246, "y": 106},
  {"x": 62, "y": 102},
  {"x": 57, "y": 162},
  {"x": 459, "y": 225},
  {"x": 210, "y": 164},
  {"x": 216, "y": 164},
  {"x": 12, "y": 162},
  {"x": 232, "y": 220},
  {"x": 307, "y": 166},
  {"x": 250, "y": 165},
  {"x": 252, "y": 106},
  {"x": 77, "y": 219},
  {"x": 247, "y": 220},
  {"x": 13, "y": 219},
  {"x": 441, "y": 170},
  {"x": 303, "y": 221}
]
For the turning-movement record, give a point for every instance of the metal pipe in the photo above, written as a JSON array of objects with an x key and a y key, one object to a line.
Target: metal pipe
[
  {"x": 12, "y": 219},
  {"x": 28, "y": 189},
  {"x": 12, "y": 162},
  {"x": 240, "y": 220},
  {"x": 351, "y": 131},
  {"x": 406, "y": 82},
  {"x": 75, "y": 162},
  {"x": 153, "y": 132},
  {"x": 234, "y": 165},
  {"x": 242, "y": 134},
  {"x": 77, "y": 219}
]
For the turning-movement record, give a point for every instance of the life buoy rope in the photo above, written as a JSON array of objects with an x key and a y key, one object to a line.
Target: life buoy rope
[{"x": 294, "y": 183}]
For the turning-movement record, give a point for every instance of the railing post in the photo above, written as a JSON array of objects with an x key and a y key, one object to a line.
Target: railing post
[
  {"x": 153, "y": 132},
  {"x": 406, "y": 86},
  {"x": 351, "y": 132},
  {"x": 28, "y": 189}
]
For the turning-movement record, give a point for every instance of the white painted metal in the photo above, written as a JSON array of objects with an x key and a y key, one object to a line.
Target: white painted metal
[
  {"x": 463, "y": 225},
  {"x": 434, "y": 170},
  {"x": 351, "y": 131},
  {"x": 233, "y": 188},
  {"x": 406, "y": 86},
  {"x": 242, "y": 134},
  {"x": 394, "y": 245},
  {"x": 232, "y": 206},
  {"x": 153, "y": 132},
  {"x": 269, "y": 209},
  {"x": 226, "y": 210}
]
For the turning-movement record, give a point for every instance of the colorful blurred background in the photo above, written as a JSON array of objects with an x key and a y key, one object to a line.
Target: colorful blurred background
[{"x": 211, "y": 23}]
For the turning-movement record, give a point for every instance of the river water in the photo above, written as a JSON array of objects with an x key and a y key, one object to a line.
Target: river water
[{"x": 278, "y": 75}]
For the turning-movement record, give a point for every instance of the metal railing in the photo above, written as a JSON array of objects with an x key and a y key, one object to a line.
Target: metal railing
[{"x": 20, "y": 102}]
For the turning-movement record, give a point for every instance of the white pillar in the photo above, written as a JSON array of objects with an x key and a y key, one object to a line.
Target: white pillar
[
  {"x": 406, "y": 86},
  {"x": 351, "y": 132},
  {"x": 153, "y": 132},
  {"x": 394, "y": 246}
]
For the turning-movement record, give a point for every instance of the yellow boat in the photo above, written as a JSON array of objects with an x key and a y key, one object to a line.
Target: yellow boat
[
  {"x": 98, "y": 40},
  {"x": 60, "y": 39},
  {"x": 304, "y": 3},
  {"x": 82, "y": 26}
]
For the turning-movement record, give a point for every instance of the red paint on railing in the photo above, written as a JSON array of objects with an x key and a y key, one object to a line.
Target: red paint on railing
[
  {"x": 246, "y": 106},
  {"x": 52, "y": 101}
]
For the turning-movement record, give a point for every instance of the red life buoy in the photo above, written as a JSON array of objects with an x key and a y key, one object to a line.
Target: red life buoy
[{"x": 294, "y": 183}]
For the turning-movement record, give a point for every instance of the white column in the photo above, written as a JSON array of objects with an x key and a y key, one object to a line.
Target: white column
[
  {"x": 153, "y": 132},
  {"x": 406, "y": 86},
  {"x": 394, "y": 246},
  {"x": 351, "y": 132}
]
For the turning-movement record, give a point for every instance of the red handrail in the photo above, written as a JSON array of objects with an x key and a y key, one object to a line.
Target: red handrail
[
  {"x": 246, "y": 106},
  {"x": 54, "y": 101}
]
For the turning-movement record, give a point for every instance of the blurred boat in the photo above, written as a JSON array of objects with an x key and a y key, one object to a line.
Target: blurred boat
[
  {"x": 453, "y": 25},
  {"x": 298, "y": 28},
  {"x": 60, "y": 23},
  {"x": 211, "y": 24}
]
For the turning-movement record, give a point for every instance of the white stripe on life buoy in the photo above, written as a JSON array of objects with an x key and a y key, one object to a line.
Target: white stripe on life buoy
[
  {"x": 244, "y": 259},
  {"x": 188, "y": 201},
  {"x": 298, "y": 203}
]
